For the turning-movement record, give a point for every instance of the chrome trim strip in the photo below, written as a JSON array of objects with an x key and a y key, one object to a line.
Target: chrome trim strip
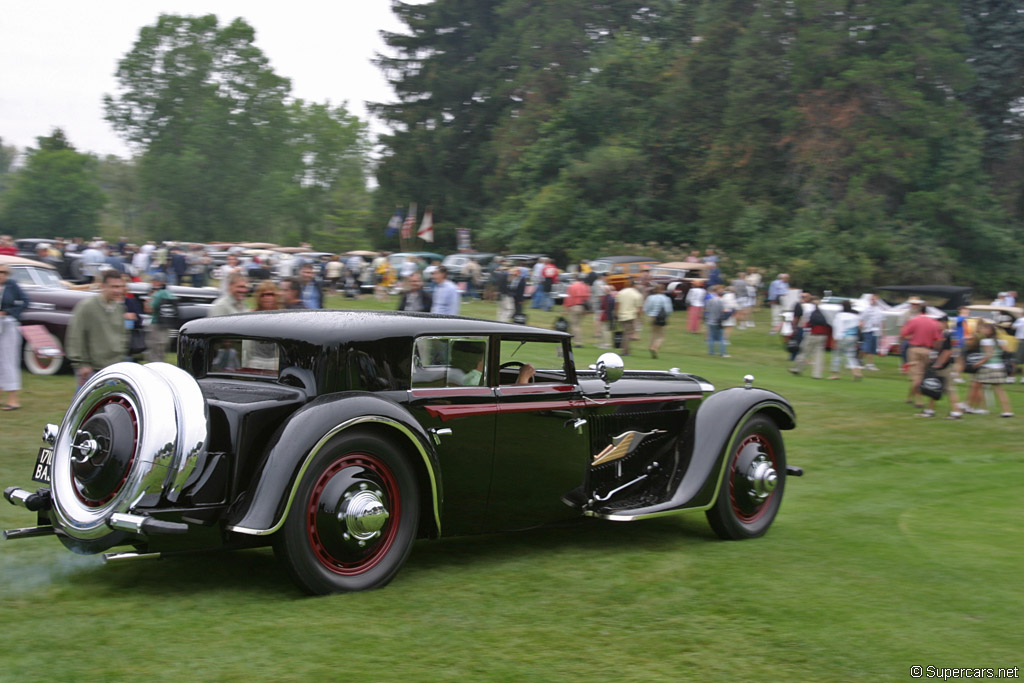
[
  {"x": 721, "y": 473},
  {"x": 125, "y": 522},
  {"x": 322, "y": 442}
]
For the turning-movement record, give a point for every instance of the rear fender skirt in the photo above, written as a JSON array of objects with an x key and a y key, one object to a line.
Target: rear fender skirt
[
  {"x": 713, "y": 428},
  {"x": 263, "y": 510}
]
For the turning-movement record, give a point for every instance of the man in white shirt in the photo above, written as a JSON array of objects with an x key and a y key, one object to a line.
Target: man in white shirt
[{"x": 871, "y": 331}]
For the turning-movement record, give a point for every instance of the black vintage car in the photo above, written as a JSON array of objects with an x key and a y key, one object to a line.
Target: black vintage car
[{"x": 340, "y": 437}]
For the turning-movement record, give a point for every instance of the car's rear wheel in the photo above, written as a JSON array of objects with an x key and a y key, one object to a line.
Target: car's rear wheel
[
  {"x": 354, "y": 516},
  {"x": 43, "y": 365},
  {"x": 752, "y": 485}
]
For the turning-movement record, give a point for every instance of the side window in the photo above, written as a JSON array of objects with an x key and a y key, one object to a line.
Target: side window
[
  {"x": 245, "y": 356},
  {"x": 449, "y": 362},
  {"x": 519, "y": 356},
  {"x": 618, "y": 269}
]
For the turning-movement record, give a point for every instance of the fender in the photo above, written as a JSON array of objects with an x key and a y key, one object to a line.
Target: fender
[
  {"x": 263, "y": 511},
  {"x": 712, "y": 428}
]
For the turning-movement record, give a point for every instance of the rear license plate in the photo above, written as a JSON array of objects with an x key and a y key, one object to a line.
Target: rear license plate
[{"x": 44, "y": 461}]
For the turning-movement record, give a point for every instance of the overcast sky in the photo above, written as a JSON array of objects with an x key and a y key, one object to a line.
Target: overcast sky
[{"x": 58, "y": 57}]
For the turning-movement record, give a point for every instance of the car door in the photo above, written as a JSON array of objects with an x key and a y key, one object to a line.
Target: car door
[
  {"x": 460, "y": 413},
  {"x": 540, "y": 452}
]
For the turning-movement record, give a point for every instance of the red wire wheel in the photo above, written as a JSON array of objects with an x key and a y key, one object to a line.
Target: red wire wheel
[
  {"x": 753, "y": 482},
  {"x": 748, "y": 502},
  {"x": 101, "y": 462},
  {"x": 354, "y": 517}
]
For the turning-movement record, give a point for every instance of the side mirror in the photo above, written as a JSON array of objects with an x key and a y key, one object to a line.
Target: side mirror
[{"x": 610, "y": 367}]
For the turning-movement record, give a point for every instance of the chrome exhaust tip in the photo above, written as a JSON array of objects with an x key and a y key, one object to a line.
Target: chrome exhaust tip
[
  {"x": 28, "y": 532},
  {"x": 127, "y": 557}
]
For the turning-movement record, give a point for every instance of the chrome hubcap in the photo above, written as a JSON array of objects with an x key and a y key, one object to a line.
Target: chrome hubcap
[
  {"x": 762, "y": 478},
  {"x": 363, "y": 513}
]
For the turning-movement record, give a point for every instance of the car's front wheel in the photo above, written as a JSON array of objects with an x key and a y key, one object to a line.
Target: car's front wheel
[
  {"x": 43, "y": 365},
  {"x": 354, "y": 517},
  {"x": 754, "y": 479}
]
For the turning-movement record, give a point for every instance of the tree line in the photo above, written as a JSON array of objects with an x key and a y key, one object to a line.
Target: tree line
[{"x": 848, "y": 142}]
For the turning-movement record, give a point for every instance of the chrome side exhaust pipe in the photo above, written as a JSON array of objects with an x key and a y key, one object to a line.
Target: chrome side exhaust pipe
[
  {"x": 127, "y": 557},
  {"x": 28, "y": 532}
]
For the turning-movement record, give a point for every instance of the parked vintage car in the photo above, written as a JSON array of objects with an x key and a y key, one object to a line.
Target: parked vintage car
[
  {"x": 618, "y": 270},
  {"x": 678, "y": 277},
  {"x": 51, "y": 301},
  {"x": 339, "y": 437}
]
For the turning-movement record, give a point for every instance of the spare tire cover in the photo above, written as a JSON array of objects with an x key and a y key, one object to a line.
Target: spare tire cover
[{"x": 131, "y": 435}]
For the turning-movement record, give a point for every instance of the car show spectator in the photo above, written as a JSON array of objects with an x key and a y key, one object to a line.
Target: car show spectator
[
  {"x": 12, "y": 302},
  {"x": 846, "y": 334},
  {"x": 232, "y": 301},
  {"x": 291, "y": 294},
  {"x": 920, "y": 332},
  {"x": 332, "y": 272},
  {"x": 177, "y": 266},
  {"x": 1018, "y": 334},
  {"x": 266, "y": 297},
  {"x": 629, "y": 303},
  {"x": 695, "y": 306},
  {"x": 658, "y": 309},
  {"x": 474, "y": 277},
  {"x": 7, "y": 247},
  {"x": 730, "y": 310},
  {"x": 777, "y": 292},
  {"x": 576, "y": 297},
  {"x": 232, "y": 265},
  {"x": 939, "y": 369},
  {"x": 97, "y": 334},
  {"x": 871, "y": 332},
  {"x": 597, "y": 287},
  {"x": 990, "y": 369},
  {"x": 446, "y": 296},
  {"x": 312, "y": 290},
  {"x": 536, "y": 276},
  {"x": 714, "y": 316},
  {"x": 414, "y": 298},
  {"x": 812, "y": 347},
  {"x": 162, "y": 307}
]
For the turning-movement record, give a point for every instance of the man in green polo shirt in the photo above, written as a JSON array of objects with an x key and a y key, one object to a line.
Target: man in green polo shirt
[{"x": 98, "y": 334}]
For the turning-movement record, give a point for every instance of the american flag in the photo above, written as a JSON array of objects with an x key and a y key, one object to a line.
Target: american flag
[{"x": 410, "y": 222}]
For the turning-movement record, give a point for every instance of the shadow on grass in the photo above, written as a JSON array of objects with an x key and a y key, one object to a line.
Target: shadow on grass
[{"x": 258, "y": 573}]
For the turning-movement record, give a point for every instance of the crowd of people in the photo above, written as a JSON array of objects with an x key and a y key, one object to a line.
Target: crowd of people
[
  {"x": 936, "y": 352},
  {"x": 107, "y": 328}
]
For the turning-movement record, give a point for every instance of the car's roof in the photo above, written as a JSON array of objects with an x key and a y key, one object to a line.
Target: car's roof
[
  {"x": 21, "y": 261},
  {"x": 625, "y": 259},
  {"x": 685, "y": 265},
  {"x": 327, "y": 327},
  {"x": 1012, "y": 310}
]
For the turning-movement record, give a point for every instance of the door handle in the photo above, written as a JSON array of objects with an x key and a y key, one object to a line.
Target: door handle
[
  {"x": 576, "y": 424},
  {"x": 438, "y": 433}
]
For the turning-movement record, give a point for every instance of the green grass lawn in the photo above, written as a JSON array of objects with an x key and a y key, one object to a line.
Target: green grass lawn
[{"x": 901, "y": 546}]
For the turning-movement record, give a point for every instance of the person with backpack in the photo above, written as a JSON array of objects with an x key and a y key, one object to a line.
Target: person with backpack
[
  {"x": 812, "y": 348},
  {"x": 657, "y": 307}
]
